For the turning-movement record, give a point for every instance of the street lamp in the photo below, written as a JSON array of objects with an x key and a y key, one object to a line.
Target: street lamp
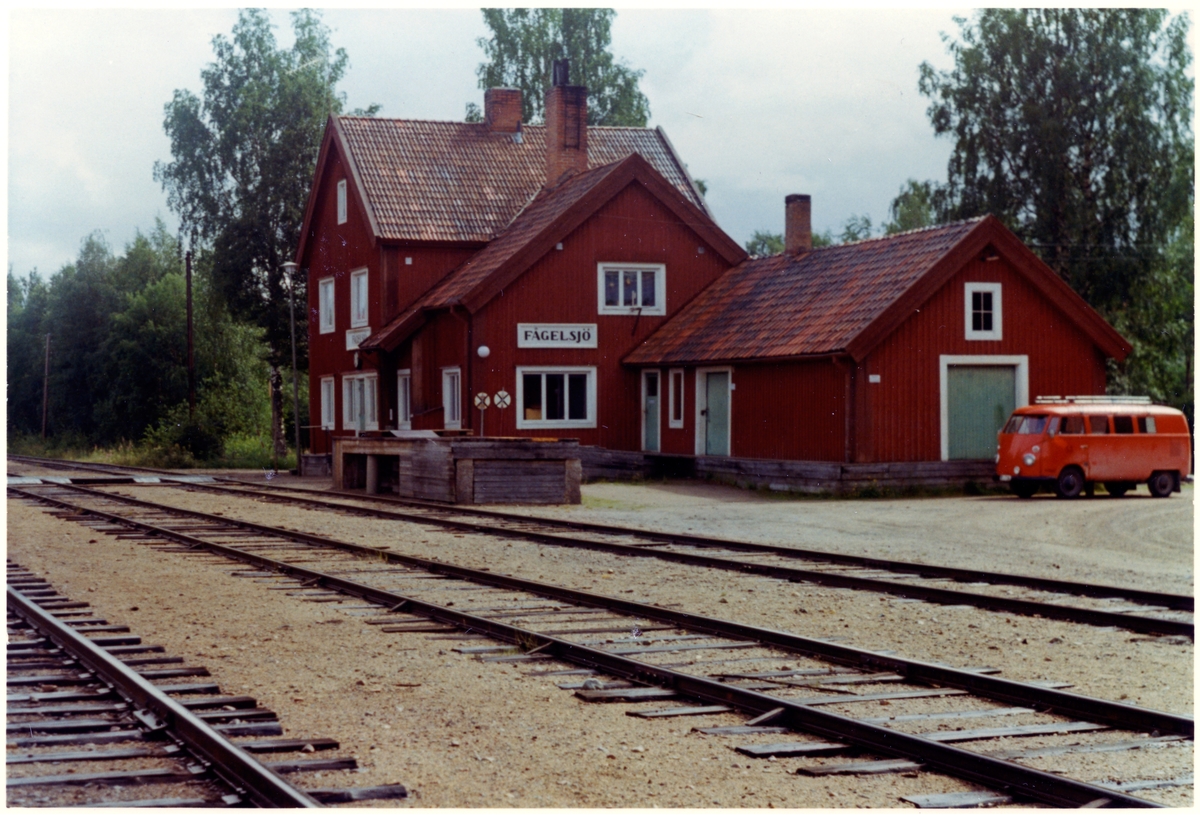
[{"x": 290, "y": 268}]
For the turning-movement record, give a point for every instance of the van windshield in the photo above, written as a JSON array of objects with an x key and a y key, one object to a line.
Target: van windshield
[{"x": 1026, "y": 425}]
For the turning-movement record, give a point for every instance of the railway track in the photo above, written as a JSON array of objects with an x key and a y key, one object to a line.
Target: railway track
[
  {"x": 804, "y": 698},
  {"x": 1146, "y": 612},
  {"x": 150, "y": 734}
]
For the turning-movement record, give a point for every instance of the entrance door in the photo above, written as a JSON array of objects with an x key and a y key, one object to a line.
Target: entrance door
[
  {"x": 651, "y": 411},
  {"x": 979, "y": 400},
  {"x": 716, "y": 413}
]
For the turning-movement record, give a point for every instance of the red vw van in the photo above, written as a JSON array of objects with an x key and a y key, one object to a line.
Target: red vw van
[{"x": 1070, "y": 442}]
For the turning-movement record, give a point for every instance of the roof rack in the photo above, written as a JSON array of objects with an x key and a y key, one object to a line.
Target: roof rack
[{"x": 1092, "y": 400}]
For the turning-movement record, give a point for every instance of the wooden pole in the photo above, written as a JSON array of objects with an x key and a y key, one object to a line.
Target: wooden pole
[
  {"x": 45, "y": 386},
  {"x": 291, "y": 267},
  {"x": 191, "y": 361}
]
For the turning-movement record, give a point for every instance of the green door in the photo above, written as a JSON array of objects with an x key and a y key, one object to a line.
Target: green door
[
  {"x": 979, "y": 400},
  {"x": 716, "y": 414}
]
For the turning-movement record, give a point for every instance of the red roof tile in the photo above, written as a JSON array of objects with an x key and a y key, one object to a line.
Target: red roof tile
[
  {"x": 458, "y": 181},
  {"x": 794, "y": 305}
]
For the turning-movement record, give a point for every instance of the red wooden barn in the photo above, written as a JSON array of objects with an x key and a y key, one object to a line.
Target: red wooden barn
[{"x": 575, "y": 275}]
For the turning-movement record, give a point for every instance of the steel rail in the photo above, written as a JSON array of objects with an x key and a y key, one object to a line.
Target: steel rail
[
  {"x": 1178, "y": 602},
  {"x": 1029, "y": 608},
  {"x": 992, "y": 687},
  {"x": 1006, "y": 776},
  {"x": 230, "y": 763}
]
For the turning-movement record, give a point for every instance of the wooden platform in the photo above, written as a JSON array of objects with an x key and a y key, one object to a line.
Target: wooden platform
[
  {"x": 460, "y": 469},
  {"x": 830, "y": 477}
]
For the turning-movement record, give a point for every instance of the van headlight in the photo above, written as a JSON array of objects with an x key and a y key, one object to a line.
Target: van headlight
[{"x": 1029, "y": 458}]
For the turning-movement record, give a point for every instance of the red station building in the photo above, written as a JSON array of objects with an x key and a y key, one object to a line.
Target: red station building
[{"x": 575, "y": 276}]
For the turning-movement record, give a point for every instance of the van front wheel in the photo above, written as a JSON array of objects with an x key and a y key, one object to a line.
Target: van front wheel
[
  {"x": 1070, "y": 483},
  {"x": 1162, "y": 484}
]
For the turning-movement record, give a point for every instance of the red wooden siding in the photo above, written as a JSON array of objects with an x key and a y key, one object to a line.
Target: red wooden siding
[
  {"x": 903, "y": 409},
  {"x": 792, "y": 410},
  {"x": 561, "y": 287}
]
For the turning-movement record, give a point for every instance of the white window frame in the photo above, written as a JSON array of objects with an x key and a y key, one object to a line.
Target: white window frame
[
  {"x": 535, "y": 424},
  {"x": 1020, "y": 362},
  {"x": 702, "y": 405},
  {"x": 997, "y": 332},
  {"x": 660, "y": 288},
  {"x": 370, "y": 396},
  {"x": 404, "y": 399},
  {"x": 341, "y": 201},
  {"x": 452, "y": 398},
  {"x": 675, "y": 397},
  {"x": 328, "y": 404},
  {"x": 325, "y": 304},
  {"x": 360, "y": 301}
]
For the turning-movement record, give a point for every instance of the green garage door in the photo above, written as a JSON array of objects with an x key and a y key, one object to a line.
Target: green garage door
[{"x": 979, "y": 399}]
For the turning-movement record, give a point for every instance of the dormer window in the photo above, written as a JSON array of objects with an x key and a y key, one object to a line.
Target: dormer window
[
  {"x": 341, "y": 204},
  {"x": 632, "y": 288},
  {"x": 982, "y": 312}
]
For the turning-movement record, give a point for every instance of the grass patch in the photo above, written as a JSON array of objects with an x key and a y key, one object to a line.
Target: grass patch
[{"x": 240, "y": 452}]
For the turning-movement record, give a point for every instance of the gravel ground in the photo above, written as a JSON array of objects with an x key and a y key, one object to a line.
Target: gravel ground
[{"x": 462, "y": 733}]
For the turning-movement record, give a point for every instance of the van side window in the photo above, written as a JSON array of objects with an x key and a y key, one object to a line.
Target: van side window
[
  {"x": 1097, "y": 424},
  {"x": 1072, "y": 424},
  {"x": 1145, "y": 424},
  {"x": 1122, "y": 424}
]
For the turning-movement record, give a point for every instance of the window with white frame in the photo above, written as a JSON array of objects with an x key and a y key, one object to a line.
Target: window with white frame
[
  {"x": 360, "y": 406},
  {"x": 632, "y": 288},
  {"x": 358, "y": 298},
  {"x": 341, "y": 201},
  {"x": 556, "y": 397},
  {"x": 325, "y": 304},
  {"x": 983, "y": 315},
  {"x": 327, "y": 404},
  {"x": 404, "y": 398},
  {"x": 675, "y": 398},
  {"x": 452, "y": 398}
]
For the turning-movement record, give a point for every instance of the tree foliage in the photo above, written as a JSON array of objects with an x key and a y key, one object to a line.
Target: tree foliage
[
  {"x": 243, "y": 158},
  {"x": 524, "y": 44},
  {"x": 118, "y": 362},
  {"x": 763, "y": 242},
  {"x": 913, "y": 208},
  {"x": 1074, "y": 127}
]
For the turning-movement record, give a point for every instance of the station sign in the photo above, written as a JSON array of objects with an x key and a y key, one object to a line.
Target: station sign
[{"x": 556, "y": 335}]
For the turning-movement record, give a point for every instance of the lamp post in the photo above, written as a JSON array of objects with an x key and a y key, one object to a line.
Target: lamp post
[{"x": 290, "y": 268}]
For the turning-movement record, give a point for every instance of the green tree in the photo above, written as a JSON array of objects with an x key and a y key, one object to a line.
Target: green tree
[
  {"x": 243, "y": 160},
  {"x": 1074, "y": 127},
  {"x": 913, "y": 208},
  {"x": 28, "y": 299},
  {"x": 524, "y": 44},
  {"x": 763, "y": 242},
  {"x": 856, "y": 228}
]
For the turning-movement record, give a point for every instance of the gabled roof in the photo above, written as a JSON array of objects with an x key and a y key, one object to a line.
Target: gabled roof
[
  {"x": 461, "y": 182},
  {"x": 548, "y": 218},
  {"x": 845, "y": 299}
]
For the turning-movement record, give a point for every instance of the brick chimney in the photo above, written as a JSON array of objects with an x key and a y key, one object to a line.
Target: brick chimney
[
  {"x": 566, "y": 126},
  {"x": 502, "y": 109},
  {"x": 797, "y": 226}
]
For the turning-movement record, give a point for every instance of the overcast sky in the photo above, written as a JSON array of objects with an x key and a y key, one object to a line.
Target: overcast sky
[{"x": 759, "y": 104}]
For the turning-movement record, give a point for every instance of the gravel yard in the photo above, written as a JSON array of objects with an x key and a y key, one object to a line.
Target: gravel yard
[{"x": 462, "y": 733}]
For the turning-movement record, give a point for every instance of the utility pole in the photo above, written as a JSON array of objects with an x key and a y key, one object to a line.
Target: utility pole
[
  {"x": 45, "y": 386},
  {"x": 191, "y": 361},
  {"x": 291, "y": 272}
]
